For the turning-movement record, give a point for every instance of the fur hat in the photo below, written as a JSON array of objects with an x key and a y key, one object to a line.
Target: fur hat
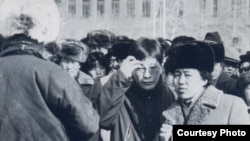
[
  {"x": 38, "y": 19},
  {"x": 214, "y": 40},
  {"x": 232, "y": 55},
  {"x": 182, "y": 38},
  {"x": 245, "y": 57},
  {"x": 74, "y": 50},
  {"x": 192, "y": 54},
  {"x": 121, "y": 49},
  {"x": 102, "y": 38}
]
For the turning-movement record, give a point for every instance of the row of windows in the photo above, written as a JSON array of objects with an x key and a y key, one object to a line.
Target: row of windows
[{"x": 236, "y": 7}]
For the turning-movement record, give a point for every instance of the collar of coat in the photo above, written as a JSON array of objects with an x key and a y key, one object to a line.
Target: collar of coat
[
  {"x": 21, "y": 44},
  {"x": 84, "y": 79},
  {"x": 204, "y": 106}
]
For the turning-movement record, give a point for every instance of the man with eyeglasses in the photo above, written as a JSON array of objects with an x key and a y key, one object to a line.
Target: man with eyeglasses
[{"x": 244, "y": 62}]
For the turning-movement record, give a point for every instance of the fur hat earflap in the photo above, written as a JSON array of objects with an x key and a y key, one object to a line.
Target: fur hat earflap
[
  {"x": 192, "y": 54},
  {"x": 74, "y": 50},
  {"x": 38, "y": 19}
]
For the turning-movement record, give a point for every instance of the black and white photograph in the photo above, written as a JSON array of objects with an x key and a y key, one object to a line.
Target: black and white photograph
[{"x": 124, "y": 70}]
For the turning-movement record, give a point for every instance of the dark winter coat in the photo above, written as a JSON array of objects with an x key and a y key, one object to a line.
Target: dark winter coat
[
  {"x": 39, "y": 101},
  {"x": 132, "y": 114},
  {"x": 228, "y": 84},
  {"x": 92, "y": 89}
]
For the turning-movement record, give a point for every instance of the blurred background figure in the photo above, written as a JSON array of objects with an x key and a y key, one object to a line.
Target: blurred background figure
[
  {"x": 96, "y": 65},
  {"x": 220, "y": 79},
  {"x": 73, "y": 53},
  {"x": 244, "y": 62},
  {"x": 231, "y": 62},
  {"x": 99, "y": 40},
  {"x": 51, "y": 49},
  {"x": 245, "y": 88}
]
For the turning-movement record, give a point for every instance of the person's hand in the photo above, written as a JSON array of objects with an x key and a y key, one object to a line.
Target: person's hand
[
  {"x": 166, "y": 132},
  {"x": 128, "y": 65}
]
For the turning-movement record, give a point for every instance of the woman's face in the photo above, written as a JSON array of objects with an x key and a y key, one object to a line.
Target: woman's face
[
  {"x": 97, "y": 71},
  {"x": 188, "y": 83},
  {"x": 247, "y": 94},
  {"x": 148, "y": 75}
]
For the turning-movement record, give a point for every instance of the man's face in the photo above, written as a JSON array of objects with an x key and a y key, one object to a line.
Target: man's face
[
  {"x": 148, "y": 75},
  {"x": 188, "y": 83},
  {"x": 217, "y": 71},
  {"x": 113, "y": 64},
  {"x": 229, "y": 68},
  {"x": 71, "y": 66},
  {"x": 244, "y": 67}
]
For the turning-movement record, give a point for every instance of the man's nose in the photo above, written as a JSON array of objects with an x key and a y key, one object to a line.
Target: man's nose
[
  {"x": 147, "y": 73},
  {"x": 182, "y": 79}
]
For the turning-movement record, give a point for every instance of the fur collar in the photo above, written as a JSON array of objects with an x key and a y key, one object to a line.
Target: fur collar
[{"x": 204, "y": 106}]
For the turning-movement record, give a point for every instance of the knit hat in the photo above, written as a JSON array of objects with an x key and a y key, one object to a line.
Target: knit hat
[
  {"x": 192, "y": 54},
  {"x": 38, "y": 19}
]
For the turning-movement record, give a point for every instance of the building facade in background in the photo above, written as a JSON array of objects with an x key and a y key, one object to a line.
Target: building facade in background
[{"x": 159, "y": 18}]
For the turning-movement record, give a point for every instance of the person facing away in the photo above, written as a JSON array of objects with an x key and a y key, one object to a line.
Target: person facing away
[
  {"x": 134, "y": 97},
  {"x": 199, "y": 102},
  {"x": 39, "y": 100}
]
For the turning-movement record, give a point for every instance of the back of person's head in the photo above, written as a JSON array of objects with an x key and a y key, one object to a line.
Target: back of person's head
[
  {"x": 38, "y": 19},
  {"x": 120, "y": 49},
  {"x": 146, "y": 47},
  {"x": 74, "y": 50}
]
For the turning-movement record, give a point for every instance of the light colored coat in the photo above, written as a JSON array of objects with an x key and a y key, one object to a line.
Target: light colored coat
[{"x": 213, "y": 107}]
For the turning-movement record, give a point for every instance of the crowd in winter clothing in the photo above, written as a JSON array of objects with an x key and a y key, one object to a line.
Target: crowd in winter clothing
[{"x": 107, "y": 87}]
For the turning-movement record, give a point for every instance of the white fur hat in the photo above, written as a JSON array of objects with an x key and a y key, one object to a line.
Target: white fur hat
[{"x": 39, "y": 19}]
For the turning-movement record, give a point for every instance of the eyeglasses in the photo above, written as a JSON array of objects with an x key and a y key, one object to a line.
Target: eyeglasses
[{"x": 244, "y": 67}]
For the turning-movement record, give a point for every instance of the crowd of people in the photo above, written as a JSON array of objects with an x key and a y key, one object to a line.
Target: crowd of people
[{"x": 107, "y": 87}]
